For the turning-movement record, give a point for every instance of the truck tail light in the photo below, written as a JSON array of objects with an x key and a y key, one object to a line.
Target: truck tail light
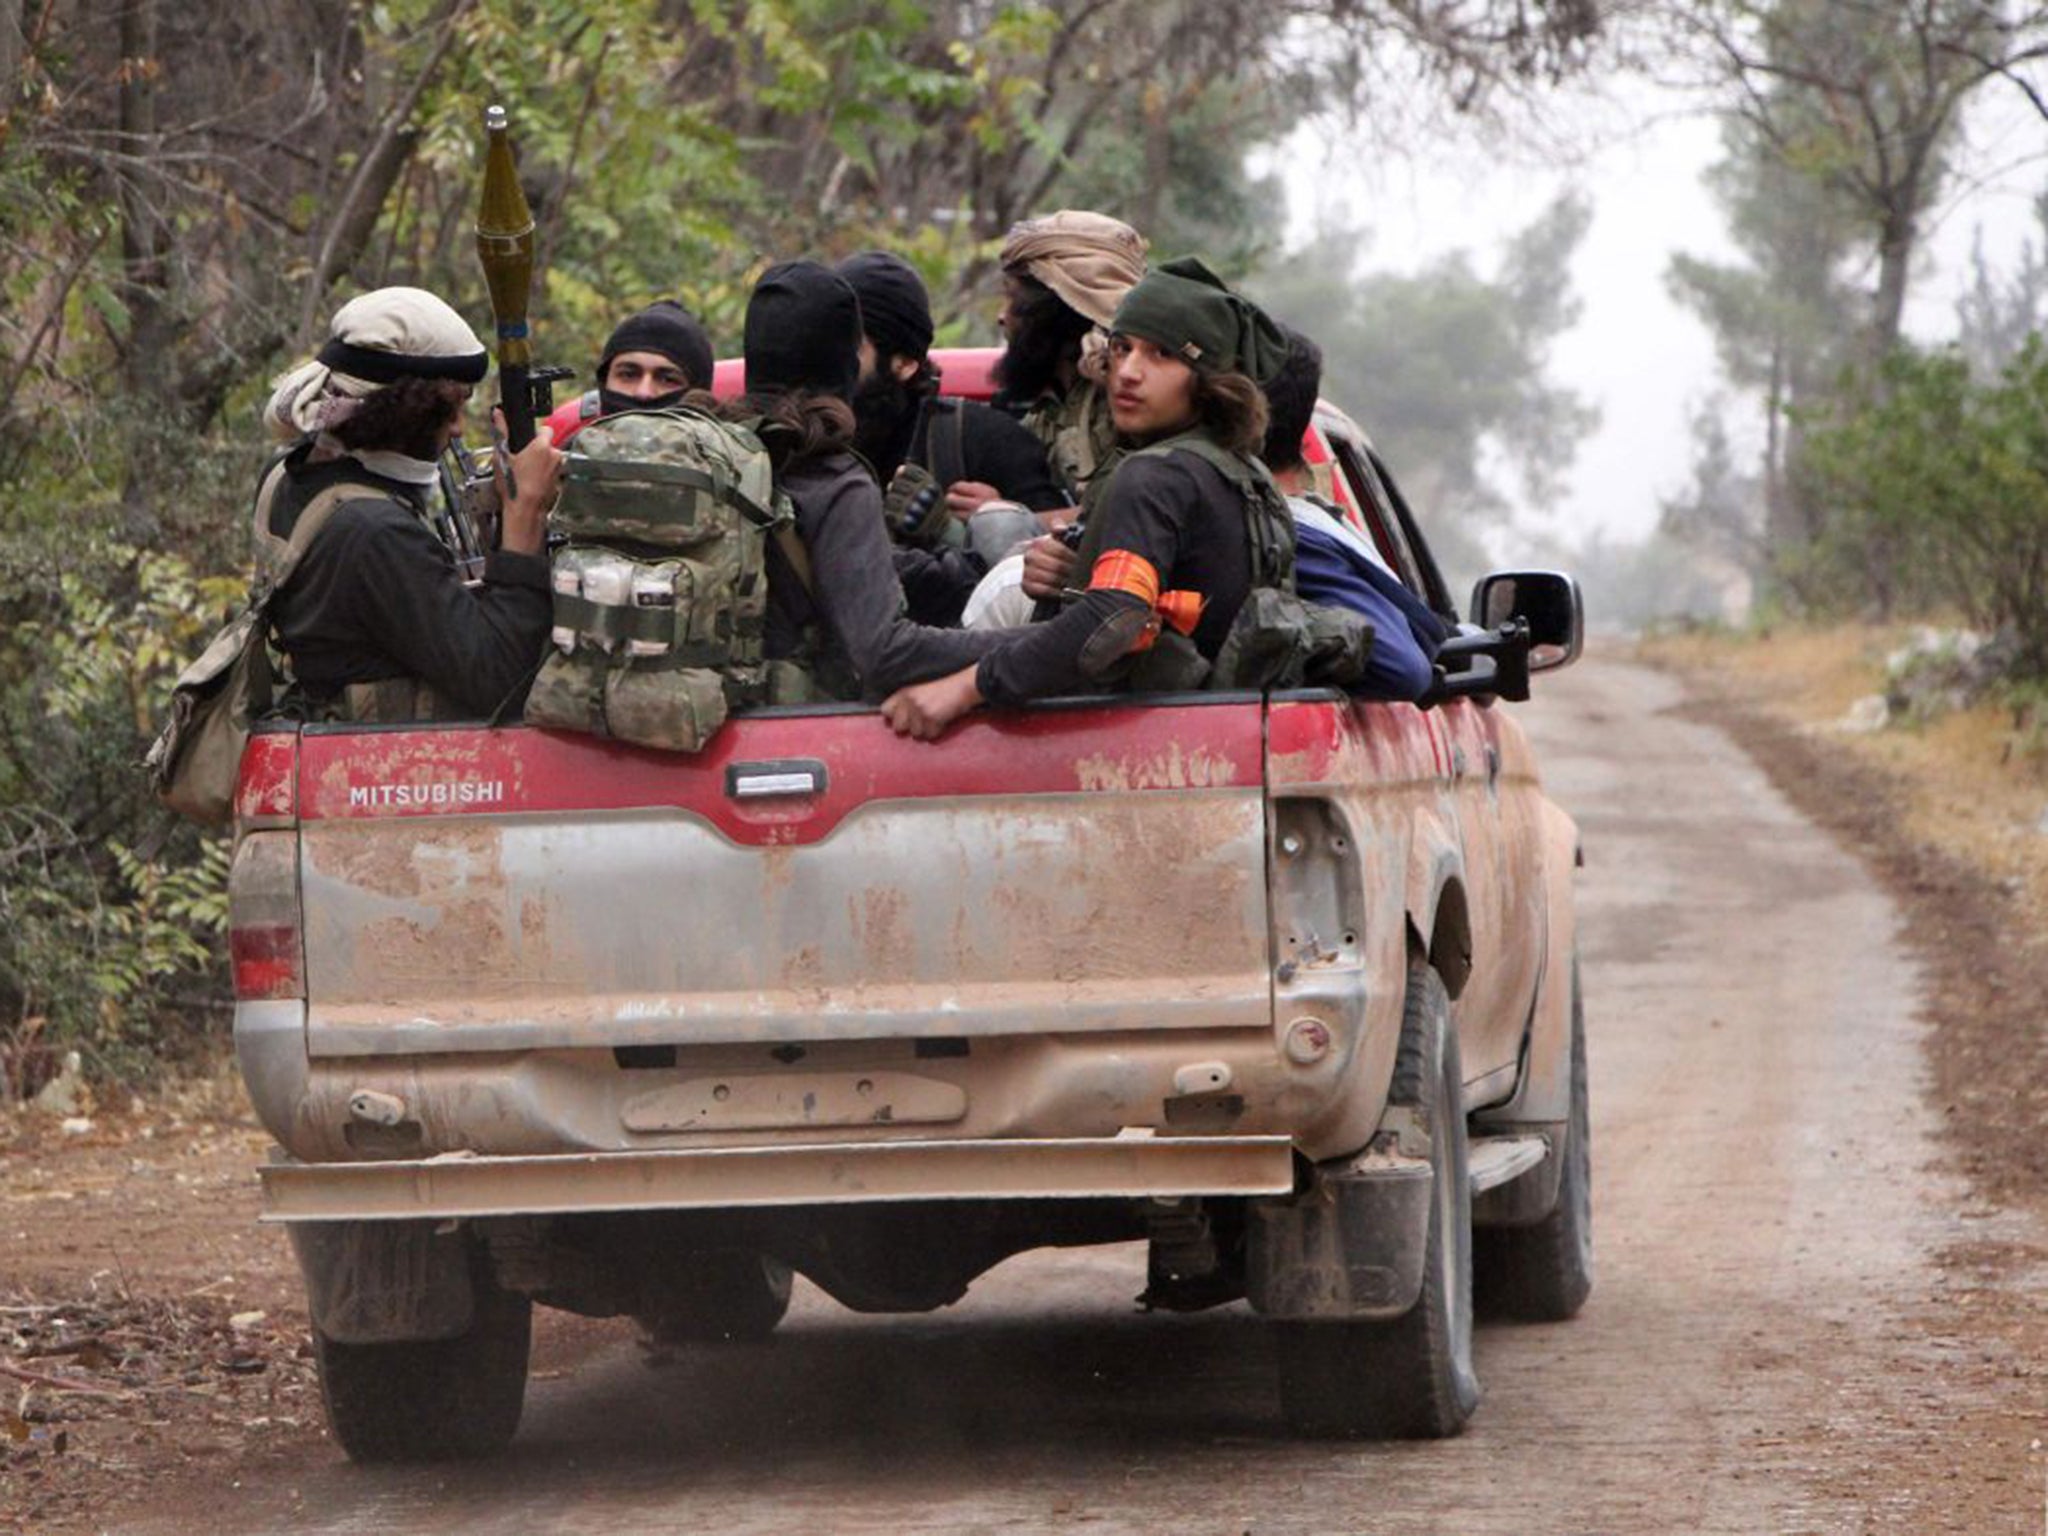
[{"x": 263, "y": 918}]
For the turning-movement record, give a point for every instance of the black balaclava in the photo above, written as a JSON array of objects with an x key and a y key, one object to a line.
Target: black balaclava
[
  {"x": 663, "y": 327},
  {"x": 895, "y": 309},
  {"x": 896, "y": 315},
  {"x": 803, "y": 332}
]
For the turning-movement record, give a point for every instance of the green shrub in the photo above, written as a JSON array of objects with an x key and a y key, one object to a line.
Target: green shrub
[{"x": 1938, "y": 489}]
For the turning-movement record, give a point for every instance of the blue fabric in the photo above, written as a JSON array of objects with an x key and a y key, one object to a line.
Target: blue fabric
[{"x": 1328, "y": 569}]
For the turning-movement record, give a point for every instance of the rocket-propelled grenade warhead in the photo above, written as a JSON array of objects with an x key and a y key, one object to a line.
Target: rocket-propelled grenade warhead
[{"x": 504, "y": 244}]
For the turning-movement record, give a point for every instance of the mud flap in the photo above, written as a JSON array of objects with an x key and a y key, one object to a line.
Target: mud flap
[
  {"x": 378, "y": 1282},
  {"x": 1529, "y": 1197},
  {"x": 1351, "y": 1246}
]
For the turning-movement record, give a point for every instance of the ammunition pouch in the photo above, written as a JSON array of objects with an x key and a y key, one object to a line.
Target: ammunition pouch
[
  {"x": 389, "y": 701},
  {"x": 1279, "y": 640}
]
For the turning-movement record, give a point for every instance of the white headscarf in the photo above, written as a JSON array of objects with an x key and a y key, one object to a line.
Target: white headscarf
[{"x": 373, "y": 340}]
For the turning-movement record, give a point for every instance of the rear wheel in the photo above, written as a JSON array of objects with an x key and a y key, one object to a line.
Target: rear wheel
[
  {"x": 1543, "y": 1273},
  {"x": 435, "y": 1399},
  {"x": 718, "y": 1295},
  {"x": 1410, "y": 1377}
]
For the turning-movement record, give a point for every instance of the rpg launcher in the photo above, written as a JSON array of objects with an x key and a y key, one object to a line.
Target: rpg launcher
[{"x": 504, "y": 244}]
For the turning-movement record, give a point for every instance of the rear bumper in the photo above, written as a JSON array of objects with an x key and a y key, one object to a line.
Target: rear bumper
[{"x": 752, "y": 1177}]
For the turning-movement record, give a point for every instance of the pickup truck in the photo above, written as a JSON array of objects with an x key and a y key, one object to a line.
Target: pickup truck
[{"x": 1283, "y": 985}]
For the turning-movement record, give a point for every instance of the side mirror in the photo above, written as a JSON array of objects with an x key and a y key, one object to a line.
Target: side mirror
[
  {"x": 1548, "y": 602},
  {"x": 1522, "y": 622}
]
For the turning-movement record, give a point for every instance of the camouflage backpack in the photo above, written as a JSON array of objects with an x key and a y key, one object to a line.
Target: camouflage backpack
[{"x": 661, "y": 590}]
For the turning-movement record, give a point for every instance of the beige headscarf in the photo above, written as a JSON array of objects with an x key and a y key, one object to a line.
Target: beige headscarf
[
  {"x": 1089, "y": 259},
  {"x": 373, "y": 340}
]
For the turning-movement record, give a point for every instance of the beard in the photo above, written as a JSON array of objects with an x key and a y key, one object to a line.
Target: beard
[
  {"x": 1044, "y": 334},
  {"x": 884, "y": 419},
  {"x": 1030, "y": 365}
]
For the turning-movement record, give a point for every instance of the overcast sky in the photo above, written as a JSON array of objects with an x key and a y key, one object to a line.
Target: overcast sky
[{"x": 1635, "y": 354}]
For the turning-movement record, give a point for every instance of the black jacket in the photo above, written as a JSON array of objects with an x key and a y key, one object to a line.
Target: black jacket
[
  {"x": 377, "y": 596},
  {"x": 963, "y": 440},
  {"x": 1187, "y": 522}
]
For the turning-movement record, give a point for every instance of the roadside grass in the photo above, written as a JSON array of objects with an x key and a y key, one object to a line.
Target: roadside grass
[{"x": 1973, "y": 783}]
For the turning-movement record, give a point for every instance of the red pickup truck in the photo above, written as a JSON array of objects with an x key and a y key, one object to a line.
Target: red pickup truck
[{"x": 1283, "y": 985}]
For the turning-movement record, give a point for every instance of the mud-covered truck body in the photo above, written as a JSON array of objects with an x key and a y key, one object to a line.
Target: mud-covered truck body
[{"x": 1282, "y": 984}]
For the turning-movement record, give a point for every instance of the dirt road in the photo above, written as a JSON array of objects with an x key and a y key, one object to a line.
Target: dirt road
[{"x": 1777, "y": 1340}]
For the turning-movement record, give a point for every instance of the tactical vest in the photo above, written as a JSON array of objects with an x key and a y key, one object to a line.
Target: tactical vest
[
  {"x": 661, "y": 590},
  {"x": 1269, "y": 526},
  {"x": 389, "y": 700},
  {"x": 1173, "y": 663},
  {"x": 1079, "y": 437}
]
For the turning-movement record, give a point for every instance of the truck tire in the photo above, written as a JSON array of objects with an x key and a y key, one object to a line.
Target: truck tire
[
  {"x": 1410, "y": 1377},
  {"x": 720, "y": 1295},
  {"x": 433, "y": 1399},
  {"x": 1544, "y": 1272}
]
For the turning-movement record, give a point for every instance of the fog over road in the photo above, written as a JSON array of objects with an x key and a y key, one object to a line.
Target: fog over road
[{"x": 1763, "y": 1206}]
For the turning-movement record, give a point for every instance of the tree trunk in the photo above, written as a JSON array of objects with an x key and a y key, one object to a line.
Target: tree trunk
[
  {"x": 1778, "y": 532},
  {"x": 147, "y": 375},
  {"x": 1898, "y": 238},
  {"x": 11, "y": 43}
]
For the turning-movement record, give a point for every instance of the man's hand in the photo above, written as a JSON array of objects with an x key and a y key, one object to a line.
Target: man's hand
[
  {"x": 1048, "y": 568},
  {"x": 964, "y": 497},
  {"x": 924, "y": 710},
  {"x": 528, "y": 482}
]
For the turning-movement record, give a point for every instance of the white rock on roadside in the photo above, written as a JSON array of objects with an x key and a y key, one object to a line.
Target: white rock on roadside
[
  {"x": 1867, "y": 714},
  {"x": 60, "y": 1095}
]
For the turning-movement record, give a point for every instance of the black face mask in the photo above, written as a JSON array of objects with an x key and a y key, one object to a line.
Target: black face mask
[
  {"x": 884, "y": 420},
  {"x": 610, "y": 401}
]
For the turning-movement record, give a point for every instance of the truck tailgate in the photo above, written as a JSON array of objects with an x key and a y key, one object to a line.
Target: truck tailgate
[{"x": 807, "y": 877}]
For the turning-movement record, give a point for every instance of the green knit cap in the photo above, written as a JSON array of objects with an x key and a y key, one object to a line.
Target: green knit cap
[{"x": 1184, "y": 307}]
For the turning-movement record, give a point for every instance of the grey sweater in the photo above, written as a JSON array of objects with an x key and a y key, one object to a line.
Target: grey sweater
[{"x": 858, "y": 602}]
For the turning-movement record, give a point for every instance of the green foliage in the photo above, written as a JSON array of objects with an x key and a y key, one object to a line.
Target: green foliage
[
  {"x": 1939, "y": 490},
  {"x": 110, "y": 913}
]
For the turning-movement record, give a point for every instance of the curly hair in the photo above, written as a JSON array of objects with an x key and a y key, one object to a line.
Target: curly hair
[
  {"x": 406, "y": 417},
  {"x": 794, "y": 426},
  {"x": 1231, "y": 410}
]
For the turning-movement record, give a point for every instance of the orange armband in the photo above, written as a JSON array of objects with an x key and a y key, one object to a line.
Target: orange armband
[{"x": 1121, "y": 570}]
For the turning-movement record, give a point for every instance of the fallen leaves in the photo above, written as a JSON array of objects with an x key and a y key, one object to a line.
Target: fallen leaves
[{"x": 94, "y": 1376}]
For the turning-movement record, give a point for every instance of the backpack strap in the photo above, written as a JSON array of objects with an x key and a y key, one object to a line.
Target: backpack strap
[
  {"x": 945, "y": 440},
  {"x": 1269, "y": 526},
  {"x": 312, "y": 518},
  {"x": 791, "y": 543}
]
